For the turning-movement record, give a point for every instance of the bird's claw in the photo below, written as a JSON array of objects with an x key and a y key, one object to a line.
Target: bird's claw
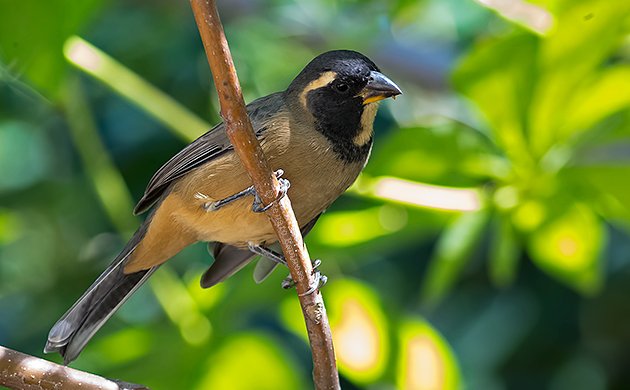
[
  {"x": 258, "y": 207},
  {"x": 288, "y": 283},
  {"x": 318, "y": 282}
]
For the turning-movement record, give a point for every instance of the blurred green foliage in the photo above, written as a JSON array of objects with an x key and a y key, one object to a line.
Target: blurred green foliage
[
  {"x": 545, "y": 127},
  {"x": 486, "y": 246}
]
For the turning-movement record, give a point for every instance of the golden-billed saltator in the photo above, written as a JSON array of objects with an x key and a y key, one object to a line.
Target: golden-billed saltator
[{"x": 318, "y": 131}]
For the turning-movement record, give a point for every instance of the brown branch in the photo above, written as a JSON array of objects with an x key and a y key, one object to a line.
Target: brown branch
[
  {"x": 25, "y": 372},
  {"x": 239, "y": 130}
]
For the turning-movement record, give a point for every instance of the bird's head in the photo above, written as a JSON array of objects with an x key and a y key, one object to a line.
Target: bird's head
[
  {"x": 338, "y": 89},
  {"x": 341, "y": 78}
]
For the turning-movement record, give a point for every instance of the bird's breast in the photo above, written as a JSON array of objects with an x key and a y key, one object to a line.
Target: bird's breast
[{"x": 308, "y": 160}]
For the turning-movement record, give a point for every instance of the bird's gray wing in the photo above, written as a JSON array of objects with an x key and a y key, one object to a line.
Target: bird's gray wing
[{"x": 209, "y": 146}]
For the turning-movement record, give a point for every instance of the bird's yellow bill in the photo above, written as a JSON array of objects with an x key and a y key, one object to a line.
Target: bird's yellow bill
[{"x": 373, "y": 99}]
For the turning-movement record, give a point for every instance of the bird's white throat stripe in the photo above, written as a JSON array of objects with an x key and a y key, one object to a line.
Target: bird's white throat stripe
[
  {"x": 367, "y": 124},
  {"x": 323, "y": 80}
]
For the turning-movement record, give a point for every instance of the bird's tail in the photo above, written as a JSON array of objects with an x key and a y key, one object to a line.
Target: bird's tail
[{"x": 72, "y": 332}]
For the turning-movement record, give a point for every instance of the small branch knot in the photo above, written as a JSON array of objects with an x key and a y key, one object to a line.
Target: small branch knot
[{"x": 315, "y": 312}]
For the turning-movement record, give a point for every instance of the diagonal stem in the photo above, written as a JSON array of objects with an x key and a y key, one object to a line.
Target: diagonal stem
[{"x": 239, "y": 130}]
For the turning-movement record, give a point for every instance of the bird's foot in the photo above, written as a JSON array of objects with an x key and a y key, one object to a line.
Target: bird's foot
[
  {"x": 257, "y": 207},
  {"x": 319, "y": 280}
]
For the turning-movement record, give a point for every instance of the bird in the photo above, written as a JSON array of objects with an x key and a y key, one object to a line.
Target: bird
[{"x": 317, "y": 136}]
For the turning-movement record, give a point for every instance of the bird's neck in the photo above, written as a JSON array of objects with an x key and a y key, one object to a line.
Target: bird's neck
[{"x": 350, "y": 134}]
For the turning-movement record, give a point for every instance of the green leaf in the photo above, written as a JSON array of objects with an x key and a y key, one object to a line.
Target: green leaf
[
  {"x": 604, "y": 144},
  {"x": 504, "y": 252},
  {"x": 487, "y": 82},
  {"x": 611, "y": 187},
  {"x": 425, "y": 360},
  {"x": 604, "y": 95},
  {"x": 454, "y": 248},
  {"x": 587, "y": 34},
  {"x": 537, "y": 78},
  {"x": 569, "y": 247}
]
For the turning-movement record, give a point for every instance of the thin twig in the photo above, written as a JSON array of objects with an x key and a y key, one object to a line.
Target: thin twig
[
  {"x": 239, "y": 130},
  {"x": 25, "y": 372}
]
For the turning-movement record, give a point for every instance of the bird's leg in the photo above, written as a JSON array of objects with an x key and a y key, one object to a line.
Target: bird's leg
[
  {"x": 257, "y": 207},
  {"x": 288, "y": 282},
  {"x": 266, "y": 252},
  {"x": 213, "y": 206}
]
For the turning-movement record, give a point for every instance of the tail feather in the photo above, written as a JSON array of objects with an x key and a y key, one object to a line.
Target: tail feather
[{"x": 110, "y": 290}]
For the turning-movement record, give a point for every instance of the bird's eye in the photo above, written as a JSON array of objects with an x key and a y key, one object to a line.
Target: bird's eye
[{"x": 341, "y": 87}]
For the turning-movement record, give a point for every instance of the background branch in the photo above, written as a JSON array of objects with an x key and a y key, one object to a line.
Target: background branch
[
  {"x": 26, "y": 372},
  {"x": 239, "y": 130}
]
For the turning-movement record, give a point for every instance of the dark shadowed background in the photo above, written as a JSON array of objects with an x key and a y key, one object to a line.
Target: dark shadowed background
[{"x": 486, "y": 246}]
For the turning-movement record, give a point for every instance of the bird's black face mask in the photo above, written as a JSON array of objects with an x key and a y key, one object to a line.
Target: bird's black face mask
[
  {"x": 338, "y": 104},
  {"x": 344, "y": 107},
  {"x": 338, "y": 90}
]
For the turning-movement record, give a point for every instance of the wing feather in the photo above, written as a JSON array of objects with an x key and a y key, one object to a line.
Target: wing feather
[{"x": 204, "y": 149}]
